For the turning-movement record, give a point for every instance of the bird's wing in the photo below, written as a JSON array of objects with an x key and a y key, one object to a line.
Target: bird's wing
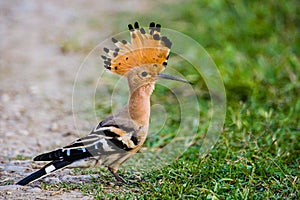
[{"x": 103, "y": 140}]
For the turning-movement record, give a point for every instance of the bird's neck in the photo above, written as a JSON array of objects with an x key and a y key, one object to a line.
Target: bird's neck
[{"x": 139, "y": 104}]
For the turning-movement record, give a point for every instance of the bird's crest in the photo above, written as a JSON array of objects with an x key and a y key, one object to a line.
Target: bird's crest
[{"x": 145, "y": 48}]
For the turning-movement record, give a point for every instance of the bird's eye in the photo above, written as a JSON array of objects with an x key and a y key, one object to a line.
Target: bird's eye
[{"x": 144, "y": 74}]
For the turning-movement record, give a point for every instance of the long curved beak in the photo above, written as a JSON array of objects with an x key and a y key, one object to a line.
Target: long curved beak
[{"x": 170, "y": 77}]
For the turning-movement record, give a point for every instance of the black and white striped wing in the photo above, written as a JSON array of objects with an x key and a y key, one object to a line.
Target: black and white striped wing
[
  {"x": 108, "y": 144},
  {"x": 100, "y": 142}
]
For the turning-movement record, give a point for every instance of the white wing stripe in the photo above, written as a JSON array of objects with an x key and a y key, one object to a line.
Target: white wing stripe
[
  {"x": 49, "y": 169},
  {"x": 102, "y": 129}
]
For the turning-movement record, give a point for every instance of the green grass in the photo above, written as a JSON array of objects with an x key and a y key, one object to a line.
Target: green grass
[{"x": 256, "y": 47}]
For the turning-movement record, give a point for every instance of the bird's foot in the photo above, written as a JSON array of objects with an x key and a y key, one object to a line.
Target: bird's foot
[{"x": 123, "y": 181}]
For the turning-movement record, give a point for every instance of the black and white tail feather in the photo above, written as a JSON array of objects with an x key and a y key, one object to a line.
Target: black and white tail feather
[{"x": 47, "y": 169}]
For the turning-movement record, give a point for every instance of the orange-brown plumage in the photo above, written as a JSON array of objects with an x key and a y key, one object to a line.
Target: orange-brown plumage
[{"x": 145, "y": 48}]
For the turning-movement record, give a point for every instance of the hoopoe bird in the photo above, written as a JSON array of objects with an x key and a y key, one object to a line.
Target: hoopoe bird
[{"x": 119, "y": 136}]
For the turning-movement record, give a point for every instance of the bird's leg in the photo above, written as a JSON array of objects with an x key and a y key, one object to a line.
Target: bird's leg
[{"x": 116, "y": 175}]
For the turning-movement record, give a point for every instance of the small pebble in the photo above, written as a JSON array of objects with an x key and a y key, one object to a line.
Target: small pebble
[
  {"x": 52, "y": 180},
  {"x": 9, "y": 134},
  {"x": 23, "y": 132},
  {"x": 35, "y": 189},
  {"x": 54, "y": 127},
  {"x": 5, "y": 98},
  {"x": 34, "y": 89}
]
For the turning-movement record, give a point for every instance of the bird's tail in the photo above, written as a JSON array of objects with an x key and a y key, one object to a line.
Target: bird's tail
[{"x": 47, "y": 169}]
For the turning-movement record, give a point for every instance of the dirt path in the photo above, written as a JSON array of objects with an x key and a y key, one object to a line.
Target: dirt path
[{"x": 37, "y": 72}]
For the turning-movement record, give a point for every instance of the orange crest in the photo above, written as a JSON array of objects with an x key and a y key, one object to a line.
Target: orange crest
[{"x": 145, "y": 48}]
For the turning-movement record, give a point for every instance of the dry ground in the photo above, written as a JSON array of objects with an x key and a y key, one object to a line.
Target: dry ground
[{"x": 38, "y": 65}]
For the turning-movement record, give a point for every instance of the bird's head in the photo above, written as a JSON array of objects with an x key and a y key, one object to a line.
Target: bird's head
[{"x": 148, "y": 74}]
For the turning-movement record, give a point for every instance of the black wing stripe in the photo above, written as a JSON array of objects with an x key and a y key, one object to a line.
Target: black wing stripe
[{"x": 50, "y": 156}]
